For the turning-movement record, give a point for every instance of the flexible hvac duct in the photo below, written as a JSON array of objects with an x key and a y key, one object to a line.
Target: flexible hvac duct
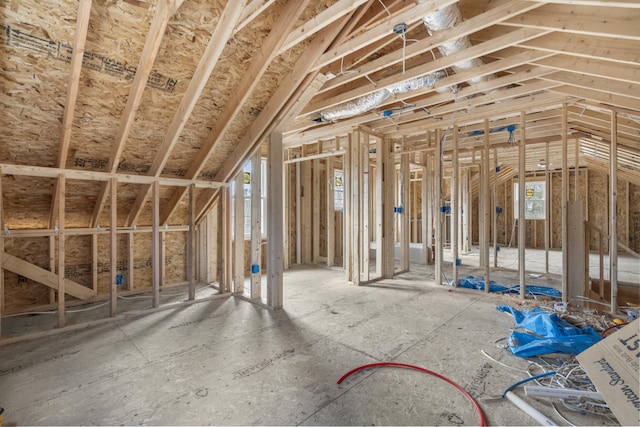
[
  {"x": 369, "y": 102},
  {"x": 443, "y": 19}
]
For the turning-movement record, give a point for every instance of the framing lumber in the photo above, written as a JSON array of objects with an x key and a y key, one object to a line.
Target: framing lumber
[
  {"x": 45, "y": 277},
  {"x": 405, "y": 216},
  {"x": 565, "y": 200},
  {"x": 315, "y": 210},
  {"x": 238, "y": 239},
  {"x": 547, "y": 207},
  {"x": 438, "y": 204},
  {"x": 331, "y": 214},
  {"x": 223, "y": 31},
  {"x": 75, "y": 66},
  {"x": 380, "y": 31},
  {"x": 275, "y": 222},
  {"x": 164, "y": 10},
  {"x": 191, "y": 242},
  {"x": 367, "y": 88},
  {"x": 365, "y": 192},
  {"x": 61, "y": 252},
  {"x": 155, "y": 245},
  {"x": 256, "y": 226},
  {"x": 485, "y": 208},
  {"x": 522, "y": 153},
  {"x": 1, "y": 255},
  {"x": 613, "y": 213},
  {"x": 465, "y": 28},
  {"x": 455, "y": 206},
  {"x": 113, "y": 247},
  {"x": 267, "y": 120}
]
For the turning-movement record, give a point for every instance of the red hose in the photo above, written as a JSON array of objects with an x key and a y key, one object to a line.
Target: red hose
[{"x": 426, "y": 371}]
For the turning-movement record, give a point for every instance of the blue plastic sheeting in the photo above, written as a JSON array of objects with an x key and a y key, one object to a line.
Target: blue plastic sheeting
[
  {"x": 477, "y": 283},
  {"x": 548, "y": 334}
]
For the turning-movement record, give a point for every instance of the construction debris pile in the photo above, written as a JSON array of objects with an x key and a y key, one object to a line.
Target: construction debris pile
[{"x": 582, "y": 361}]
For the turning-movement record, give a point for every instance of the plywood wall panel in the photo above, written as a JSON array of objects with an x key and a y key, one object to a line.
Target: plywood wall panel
[{"x": 20, "y": 292}]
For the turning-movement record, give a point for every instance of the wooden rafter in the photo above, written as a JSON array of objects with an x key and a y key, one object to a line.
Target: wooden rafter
[
  {"x": 257, "y": 68},
  {"x": 223, "y": 31},
  {"x": 164, "y": 11},
  {"x": 82, "y": 25}
]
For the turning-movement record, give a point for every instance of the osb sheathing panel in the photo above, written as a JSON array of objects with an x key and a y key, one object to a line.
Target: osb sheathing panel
[
  {"x": 622, "y": 208},
  {"x": 598, "y": 205},
  {"x": 175, "y": 257},
  {"x": 20, "y": 292},
  {"x": 77, "y": 259},
  {"x": 234, "y": 61},
  {"x": 80, "y": 196},
  {"x": 27, "y": 201},
  {"x": 33, "y": 79},
  {"x": 104, "y": 260}
]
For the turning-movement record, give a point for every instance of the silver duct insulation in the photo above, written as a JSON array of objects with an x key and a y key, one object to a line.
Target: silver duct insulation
[
  {"x": 369, "y": 102},
  {"x": 443, "y": 19}
]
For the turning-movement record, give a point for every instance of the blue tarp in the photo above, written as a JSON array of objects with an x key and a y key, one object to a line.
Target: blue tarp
[
  {"x": 547, "y": 333},
  {"x": 477, "y": 283}
]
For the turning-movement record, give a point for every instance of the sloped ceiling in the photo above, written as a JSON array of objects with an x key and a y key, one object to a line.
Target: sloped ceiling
[{"x": 182, "y": 91}]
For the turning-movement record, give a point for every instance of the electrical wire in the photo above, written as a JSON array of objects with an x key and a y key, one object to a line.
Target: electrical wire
[
  {"x": 502, "y": 364},
  {"x": 526, "y": 380},
  {"x": 426, "y": 371}
]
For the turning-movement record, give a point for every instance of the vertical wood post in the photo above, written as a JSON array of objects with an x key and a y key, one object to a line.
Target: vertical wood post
[
  {"x": 355, "y": 229},
  {"x": 238, "y": 235},
  {"x": 437, "y": 166},
  {"x": 61, "y": 251},
  {"x": 613, "y": 213},
  {"x": 256, "y": 225},
  {"x": 275, "y": 222},
  {"x": 347, "y": 210},
  {"x": 494, "y": 214},
  {"x": 286, "y": 212},
  {"x": 547, "y": 207},
  {"x": 380, "y": 204},
  {"x": 1, "y": 255},
  {"x": 113, "y": 245},
  {"x": 455, "y": 207},
  {"x": 485, "y": 208},
  {"x": 226, "y": 250},
  {"x": 298, "y": 213},
  {"x": 521, "y": 206},
  {"x": 315, "y": 211},
  {"x": 365, "y": 236},
  {"x": 405, "y": 214},
  {"x": 565, "y": 194},
  {"x": 130, "y": 260},
  {"x": 331, "y": 214},
  {"x": 155, "y": 245},
  {"x": 426, "y": 225},
  {"x": 191, "y": 242}
]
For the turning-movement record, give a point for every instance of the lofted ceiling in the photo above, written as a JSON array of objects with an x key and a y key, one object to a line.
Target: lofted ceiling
[{"x": 183, "y": 91}]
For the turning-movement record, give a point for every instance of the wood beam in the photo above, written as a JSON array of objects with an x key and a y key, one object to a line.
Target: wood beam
[
  {"x": 223, "y": 31},
  {"x": 113, "y": 247},
  {"x": 275, "y": 222},
  {"x": 191, "y": 242},
  {"x": 565, "y": 201},
  {"x": 75, "y": 67},
  {"x": 45, "y": 277},
  {"x": 163, "y": 13},
  {"x": 465, "y": 28},
  {"x": 267, "y": 120},
  {"x": 155, "y": 245},
  {"x": 590, "y": 20},
  {"x": 238, "y": 239},
  {"x": 478, "y": 50},
  {"x": 522, "y": 228},
  {"x": 61, "y": 252},
  {"x": 380, "y": 31},
  {"x": 486, "y": 218},
  {"x": 256, "y": 226},
  {"x": 613, "y": 213}
]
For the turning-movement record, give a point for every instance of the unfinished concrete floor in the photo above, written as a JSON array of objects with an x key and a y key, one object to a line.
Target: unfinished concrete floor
[{"x": 230, "y": 362}]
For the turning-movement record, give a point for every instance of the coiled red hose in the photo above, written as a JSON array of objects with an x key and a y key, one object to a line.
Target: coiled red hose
[{"x": 426, "y": 371}]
